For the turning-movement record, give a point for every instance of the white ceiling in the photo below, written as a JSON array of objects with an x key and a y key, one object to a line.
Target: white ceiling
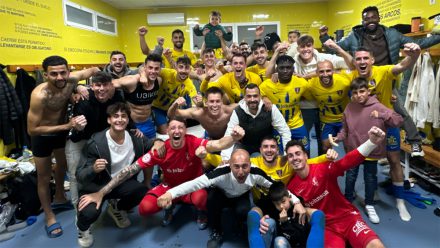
[{"x": 135, "y": 4}]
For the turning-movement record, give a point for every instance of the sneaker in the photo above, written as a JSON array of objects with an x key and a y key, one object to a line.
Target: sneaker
[
  {"x": 85, "y": 238},
  {"x": 372, "y": 215},
  {"x": 119, "y": 216},
  {"x": 202, "y": 220},
  {"x": 215, "y": 239},
  {"x": 416, "y": 150},
  {"x": 168, "y": 216},
  {"x": 383, "y": 161}
]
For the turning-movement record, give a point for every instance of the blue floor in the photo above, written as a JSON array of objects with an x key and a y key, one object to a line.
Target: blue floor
[{"x": 423, "y": 230}]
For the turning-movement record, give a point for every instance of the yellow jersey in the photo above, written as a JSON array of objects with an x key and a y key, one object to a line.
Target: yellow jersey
[
  {"x": 380, "y": 82},
  {"x": 331, "y": 100},
  {"x": 260, "y": 71},
  {"x": 231, "y": 86},
  {"x": 287, "y": 98},
  {"x": 171, "y": 89},
  {"x": 176, "y": 54}
]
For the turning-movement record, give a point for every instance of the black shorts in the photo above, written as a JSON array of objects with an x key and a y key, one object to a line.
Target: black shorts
[{"x": 43, "y": 145}]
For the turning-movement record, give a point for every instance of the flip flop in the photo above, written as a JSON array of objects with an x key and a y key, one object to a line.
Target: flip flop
[
  {"x": 62, "y": 206},
  {"x": 53, "y": 227}
]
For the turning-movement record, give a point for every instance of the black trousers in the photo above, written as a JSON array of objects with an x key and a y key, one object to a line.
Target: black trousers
[
  {"x": 217, "y": 201},
  {"x": 130, "y": 193}
]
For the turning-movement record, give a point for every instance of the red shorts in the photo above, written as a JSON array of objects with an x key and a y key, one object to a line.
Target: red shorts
[
  {"x": 149, "y": 206},
  {"x": 352, "y": 228}
]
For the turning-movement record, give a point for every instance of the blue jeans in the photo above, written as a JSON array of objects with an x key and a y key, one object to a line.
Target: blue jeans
[
  {"x": 281, "y": 242},
  {"x": 370, "y": 179},
  {"x": 270, "y": 234}
]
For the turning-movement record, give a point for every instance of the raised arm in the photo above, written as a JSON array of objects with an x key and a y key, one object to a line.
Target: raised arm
[
  {"x": 126, "y": 81},
  {"x": 412, "y": 51},
  {"x": 227, "y": 141},
  {"x": 142, "y": 31},
  {"x": 84, "y": 74},
  {"x": 271, "y": 67},
  {"x": 341, "y": 52},
  {"x": 174, "y": 109}
]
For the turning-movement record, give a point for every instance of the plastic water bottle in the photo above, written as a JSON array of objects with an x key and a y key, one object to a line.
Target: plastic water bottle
[{"x": 27, "y": 154}]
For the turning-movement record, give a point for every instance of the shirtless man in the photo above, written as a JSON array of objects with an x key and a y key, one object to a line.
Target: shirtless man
[
  {"x": 48, "y": 128},
  {"x": 140, "y": 92},
  {"x": 213, "y": 117}
]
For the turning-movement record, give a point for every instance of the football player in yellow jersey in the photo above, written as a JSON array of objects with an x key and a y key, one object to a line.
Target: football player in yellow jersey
[
  {"x": 380, "y": 80},
  {"x": 286, "y": 94},
  {"x": 331, "y": 92},
  {"x": 259, "y": 54},
  {"x": 233, "y": 83},
  {"x": 175, "y": 84}
]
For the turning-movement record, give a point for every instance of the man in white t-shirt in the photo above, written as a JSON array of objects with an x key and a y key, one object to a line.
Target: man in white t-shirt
[{"x": 105, "y": 154}]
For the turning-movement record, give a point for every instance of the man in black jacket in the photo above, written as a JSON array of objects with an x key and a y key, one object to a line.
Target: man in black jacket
[{"x": 104, "y": 155}]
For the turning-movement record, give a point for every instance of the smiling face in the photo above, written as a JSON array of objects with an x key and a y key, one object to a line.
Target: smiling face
[
  {"x": 240, "y": 165},
  {"x": 178, "y": 40},
  {"x": 183, "y": 71},
  {"x": 285, "y": 71},
  {"x": 260, "y": 55},
  {"x": 118, "y": 63},
  {"x": 325, "y": 73},
  {"x": 118, "y": 121},
  {"x": 57, "y": 75},
  {"x": 269, "y": 150},
  {"x": 152, "y": 70},
  {"x": 360, "y": 95},
  {"x": 214, "y": 103},
  {"x": 176, "y": 131},
  {"x": 293, "y": 37},
  {"x": 370, "y": 20},
  {"x": 214, "y": 20},
  {"x": 363, "y": 61},
  {"x": 239, "y": 65},
  {"x": 306, "y": 52},
  {"x": 209, "y": 59},
  {"x": 252, "y": 98},
  {"x": 297, "y": 158},
  {"x": 103, "y": 91}
]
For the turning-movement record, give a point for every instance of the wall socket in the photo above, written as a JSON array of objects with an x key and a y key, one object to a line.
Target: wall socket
[{"x": 431, "y": 2}]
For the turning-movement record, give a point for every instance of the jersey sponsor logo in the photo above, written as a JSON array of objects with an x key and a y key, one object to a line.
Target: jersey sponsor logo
[
  {"x": 146, "y": 158},
  {"x": 359, "y": 227},
  {"x": 317, "y": 199}
]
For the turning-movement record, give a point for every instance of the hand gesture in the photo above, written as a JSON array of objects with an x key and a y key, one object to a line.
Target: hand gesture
[
  {"x": 301, "y": 211},
  {"x": 198, "y": 100},
  {"x": 333, "y": 140},
  {"x": 85, "y": 200},
  {"x": 160, "y": 40},
  {"x": 210, "y": 74},
  {"x": 332, "y": 44},
  {"x": 83, "y": 92},
  {"x": 206, "y": 31},
  {"x": 376, "y": 135},
  {"x": 283, "y": 216},
  {"x": 99, "y": 165},
  {"x": 264, "y": 226},
  {"x": 259, "y": 31},
  {"x": 165, "y": 200},
  {"x": 138, "y": 133},
  {"x": 374, "y": 114},
  {"x": 159, "y": 147},
  {"x": 142, "y": 31},
  {"x": 267, "y": 104},
  {"x": 201, "y": 152},
  {"x": 78, "y": 122},
  {"x": 180, "y": 102},
  {"x": 219, "y": 33},
  {"x": 323, "y": 30},
  {"x": 237, "y": 133},
  {"x": 331, "y": 155},
  {"x": 411, "y": 49},
  {"x": 167, "y": 53}
]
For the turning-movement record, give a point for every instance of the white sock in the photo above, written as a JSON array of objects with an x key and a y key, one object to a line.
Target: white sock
[
  {"x": 398, "y": 183},
  {"x": 403, "y": 212}
]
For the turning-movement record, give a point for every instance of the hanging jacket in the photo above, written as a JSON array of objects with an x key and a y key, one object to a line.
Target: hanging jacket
[
  {"x": 24, "y": 85},
  {"x": 10, "y": 109}
]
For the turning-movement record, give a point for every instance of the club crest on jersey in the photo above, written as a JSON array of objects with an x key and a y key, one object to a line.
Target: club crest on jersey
[
  {"x": 146, "y": 158},
  {"x": 315, "y": 181},
  {"x": 340, "y": 92},
  {"x": 297, "y": 89},
  {"x": 372, "y": 82},
  {"x": 187, "y": 156}
]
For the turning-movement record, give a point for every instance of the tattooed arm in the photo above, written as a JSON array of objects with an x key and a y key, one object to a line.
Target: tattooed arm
[{"x": 97, "y": 197}]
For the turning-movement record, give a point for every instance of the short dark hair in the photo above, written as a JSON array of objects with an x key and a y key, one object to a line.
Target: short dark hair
[
  {"x": 53, "y": 61},
  {"x": 359, "y": 83},
  {"x": 214, "y": 90},
  {"x": 257, "y": 45},
  {"x": 177, "y": 31},
  {"x": 269, "y": 137},
  {"x": 153, "y": 57},
  {"x": 278, "y": 191},
  {"x": 238, "y": 55},
  {"x": 119, "y": 106},
  {"x": 363, "y": 49},
  {"x": 251, "y": 86},
  {"x": 294, "y": 32},
  {"x": 369, "y": 9},
  {"x": 101, "y": 77},
  {"x": 215, "y": 13},
  {"x": 285, "y": 58},
  {"x": 177, "y": 118},
  {"x": 295, "y": 143},
  {"x": 305, "y": 39},
  {"x": 243, "y": 43},
  {"x": 183, "y": 60},
  {"x": 208, "y": 50},
  {"x": 116, "y": 52}
]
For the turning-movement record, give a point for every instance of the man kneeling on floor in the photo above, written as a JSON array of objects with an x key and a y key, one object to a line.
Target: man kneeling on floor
[
  {"x": 232, "y": 189},
  {"x": 106, "y": 154}
]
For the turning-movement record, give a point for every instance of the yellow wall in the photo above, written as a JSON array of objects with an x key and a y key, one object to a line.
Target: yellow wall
[
  {"x": 400, "y": 12},
  {"x": 44, "y": 18},
  {"x": 287, "y": 14}
]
